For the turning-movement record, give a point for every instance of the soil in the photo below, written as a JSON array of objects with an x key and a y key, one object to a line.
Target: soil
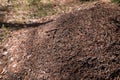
[{"x": 81, "y": 45}]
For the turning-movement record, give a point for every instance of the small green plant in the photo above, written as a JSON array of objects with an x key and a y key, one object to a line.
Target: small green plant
[
  {"x": 4, "y": 34},
  {"x": 42, "y": 9},
  {"x": 116, "y": 1}
]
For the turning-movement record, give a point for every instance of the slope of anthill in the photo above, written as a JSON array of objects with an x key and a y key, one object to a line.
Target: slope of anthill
[{"x": 83, "y": 45}]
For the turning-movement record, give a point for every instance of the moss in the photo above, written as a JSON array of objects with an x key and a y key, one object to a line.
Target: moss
[{"x": 116, "y": 1}]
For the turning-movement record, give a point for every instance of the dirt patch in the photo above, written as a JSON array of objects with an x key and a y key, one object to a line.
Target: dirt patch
[{"x": 83, "y": 45}]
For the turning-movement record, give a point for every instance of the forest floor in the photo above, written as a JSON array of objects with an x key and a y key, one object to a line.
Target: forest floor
[{"x": 81, "y": 41}]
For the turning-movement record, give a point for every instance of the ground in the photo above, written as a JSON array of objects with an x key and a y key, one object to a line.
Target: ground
[{"x": 79, "y": 45}]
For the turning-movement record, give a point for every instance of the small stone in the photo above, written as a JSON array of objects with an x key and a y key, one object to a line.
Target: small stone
[
  {"x": 79, "y": 9},
  {"x": 14, "y": 65},
  {"x": 5, "y": 53},
  {"x": 1, "y": 62},
  {"x": 29, "y": 56},
  {"x": 11, "y": 59}
]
